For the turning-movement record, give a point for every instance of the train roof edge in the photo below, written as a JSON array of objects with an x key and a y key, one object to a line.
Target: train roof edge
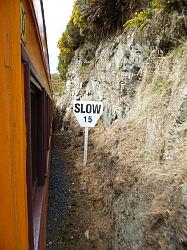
[{"x": 38, "y": 13}]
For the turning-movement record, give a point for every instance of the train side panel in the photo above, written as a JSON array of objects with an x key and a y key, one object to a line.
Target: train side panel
[
  {"x": 25, "y": 125},
  {"x": 13, "y": 192}
]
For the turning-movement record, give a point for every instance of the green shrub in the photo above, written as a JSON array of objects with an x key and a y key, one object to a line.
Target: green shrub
[
  {"x": 67, "y": 44},
  {"x": 58, "y": 89},
  {"x": 57, "y": 85},
  {"x": 161, "y": 85},
  {"x": 79, "y": 20},
  {"x": 140, "y": 18},
  {"x": 64, "y": 58},
  {"x": 91, "y": 20}
]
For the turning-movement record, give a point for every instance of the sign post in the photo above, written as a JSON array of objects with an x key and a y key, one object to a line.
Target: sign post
[
  {"x": 87, "y": 114},
  {"x": 85, "y": 145}
]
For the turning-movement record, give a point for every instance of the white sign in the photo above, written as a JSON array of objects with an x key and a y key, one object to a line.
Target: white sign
[{"x": 87, "y": 112}]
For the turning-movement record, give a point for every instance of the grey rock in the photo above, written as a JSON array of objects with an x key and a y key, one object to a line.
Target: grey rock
[{"x": 114, "y": 76}]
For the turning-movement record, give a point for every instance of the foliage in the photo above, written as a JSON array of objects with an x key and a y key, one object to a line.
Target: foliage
[
  {"x": 58, "y": 89},
  {"x": 89, "y": 17},
  {"x": 93, "y": 20},
  {"x": 57, "y": 85},
  {"x": 92, "y": 16},
  {"x": 67, "y": 44},
  {"x": 65, "y": 58},
  {"x": 161, "y": 85},
  {"x": 140, "y": 18},
  {"x": 79, "y": 20},
  {"x": 55, "y": 77}
]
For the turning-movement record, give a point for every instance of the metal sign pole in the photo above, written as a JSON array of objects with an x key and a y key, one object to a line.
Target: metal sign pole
[{"x": 85, "y": 145}]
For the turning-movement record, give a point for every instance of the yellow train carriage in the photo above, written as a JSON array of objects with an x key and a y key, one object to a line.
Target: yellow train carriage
[{"x": 25, "y": 125}]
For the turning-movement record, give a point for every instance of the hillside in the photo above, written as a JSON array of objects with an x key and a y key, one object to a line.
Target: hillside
[{"x": 132, "y": 56}]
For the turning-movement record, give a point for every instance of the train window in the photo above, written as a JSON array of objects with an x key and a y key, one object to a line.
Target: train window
[{"x": 39, "y": 135}]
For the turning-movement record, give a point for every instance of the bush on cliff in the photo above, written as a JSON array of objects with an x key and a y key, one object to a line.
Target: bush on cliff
[{"x": 94, "y": 19}]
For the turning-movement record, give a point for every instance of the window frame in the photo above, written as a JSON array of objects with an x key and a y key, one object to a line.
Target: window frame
[{"x": 37, "y": 196}]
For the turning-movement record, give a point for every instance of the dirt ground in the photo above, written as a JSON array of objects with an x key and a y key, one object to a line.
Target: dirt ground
[
  {"x": 69, "y": 207},
  {"x": 123, "y": 199},
  {"x": 88, "y": 222}
]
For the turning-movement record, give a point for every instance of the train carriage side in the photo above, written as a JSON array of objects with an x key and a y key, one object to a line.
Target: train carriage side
[{"x": 25, "y": 125}]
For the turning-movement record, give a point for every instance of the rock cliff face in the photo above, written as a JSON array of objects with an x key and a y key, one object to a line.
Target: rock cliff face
[
  {"x": 112, "y": 77},
  {"x": 145, "y": 140}
]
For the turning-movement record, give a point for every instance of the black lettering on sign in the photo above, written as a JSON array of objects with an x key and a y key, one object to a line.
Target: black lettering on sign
[
  {"x": 77, "y": 108},
  {"x": 82, "y": 109},
  {"x": 96, "y": 109},
  {"x": 88, "y": 119},
  {"x": 88, "y": 108}
]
